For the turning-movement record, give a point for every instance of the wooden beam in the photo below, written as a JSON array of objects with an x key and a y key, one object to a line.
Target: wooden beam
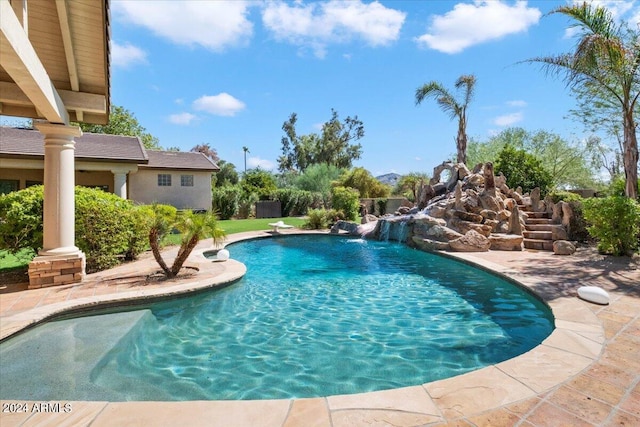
[
  {"x": 65, "y": 29},
  {"x": 10, "y": 93},
  {"x": 21, "y": 62}
]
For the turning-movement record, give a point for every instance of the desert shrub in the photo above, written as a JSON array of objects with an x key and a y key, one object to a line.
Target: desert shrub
[
  {"x": 322, "y": 218},
  {"x": 615, "y": 223},
  {"x": 362, "y": 180},
  {"x": 617, "y": 187},
  {"x": 21, "y": 219},
  {"x": 347, "y": 200},
  {"x": 225, "y": 200},
  {"x": 565, "y": 196},
  {"x": 523, "y": 170}
]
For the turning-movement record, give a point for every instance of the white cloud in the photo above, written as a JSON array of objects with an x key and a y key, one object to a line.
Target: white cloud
[
  {"x": 182, "y": 118},
  {"x": 222, "y": 104},
  {"x": 125, "y": 55},
  {"x": 470, "y": 24},
  {"x": 257, "y": 162},
  {"x": 316, "y": 25},
  {"x": 214, "y": 25},
  {"x": 508, "y": 119},
  {"x": 517, "y": 103}
]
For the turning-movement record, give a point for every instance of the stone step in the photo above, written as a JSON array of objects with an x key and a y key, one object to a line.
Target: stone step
[
  {"x": 537, "y": 214},
  {"x": 541, "y": 245},
  {"x": 538, "y": 221},
  {"x": 539, "y": 227},
  {"x": 538, "y": 235}
]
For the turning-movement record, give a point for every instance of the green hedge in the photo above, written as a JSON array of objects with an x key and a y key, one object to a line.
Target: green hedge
[{"x": 108, "y": 228}]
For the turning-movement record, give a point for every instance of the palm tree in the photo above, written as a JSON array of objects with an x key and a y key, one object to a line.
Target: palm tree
[
  {"x": 193, "y": 228},
  {"x": 605, "y": 62},
  {"x": 246, "y": 150},
  {"x": 457, "y": 108}
]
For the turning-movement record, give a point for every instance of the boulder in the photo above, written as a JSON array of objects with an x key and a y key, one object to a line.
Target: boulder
[
  {"x": 467, "y": 216},
  {"x": 365, "y": 229},
  {"x": 487, "y": 214},
  {"x": 558, "y": 232},
  {"x": 489, "y": 180},
  {"x": 429, "y": 245},
  {"x": 465, "y": 226},
  {"x": 472, "y": 241},
  {"x": 437, "y": 211},
  {"x": 515, "y": 227},
  {"x": 563, "y": 247},
  {"x": 368, "y": 218},
  {"x": 535, "y": 200},
  {"x": 506, "y": 242},
  {"x": 403, "y": 210},
  {"x": 442, "y": 234}
]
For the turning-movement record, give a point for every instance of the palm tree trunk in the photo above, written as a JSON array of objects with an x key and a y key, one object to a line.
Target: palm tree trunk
[
  {"x": 630, "y": 156},
  {"x": 461, "y": 141},
  {"x": 155, "y": 249},
  {"x": 183, "y": 254}
]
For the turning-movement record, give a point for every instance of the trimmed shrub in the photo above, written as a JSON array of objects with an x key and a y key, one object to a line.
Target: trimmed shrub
[
  {"x": 104, "y": 227},
  {"x": 21, "y": 219},
  {"x": 615, "y": 223},
  {"x": 108, "y": 228},
  {"x": 246, "y": 204},
  {"x": 347, "y": 200},
  {"x": 225, "y": 200},
  {"x": 140, "y": 218}
]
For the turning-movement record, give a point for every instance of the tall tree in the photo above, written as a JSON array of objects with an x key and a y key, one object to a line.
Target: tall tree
[
  {"x": 606, "y": 60},
  {"x": 334, "y": 146},
  {"x": 123, "y": 122},
  {"x": 455, "y": 107},
  {"x": 208, "y": 151}
]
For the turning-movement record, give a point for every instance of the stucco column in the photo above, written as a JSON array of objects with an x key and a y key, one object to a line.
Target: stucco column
[
  {"x": 59, "y": 183},
  {"x": 120, "y": 183}
]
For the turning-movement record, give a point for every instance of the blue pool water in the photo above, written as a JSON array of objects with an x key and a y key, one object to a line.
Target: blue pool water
[{"x": 314, "y": 316}]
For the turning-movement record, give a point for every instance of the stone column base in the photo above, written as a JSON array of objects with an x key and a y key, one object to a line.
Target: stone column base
[{"x": 47, "y": 271}]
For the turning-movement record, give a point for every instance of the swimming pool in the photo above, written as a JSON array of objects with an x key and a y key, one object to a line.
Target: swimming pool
[{"x": 314, "y": 316}]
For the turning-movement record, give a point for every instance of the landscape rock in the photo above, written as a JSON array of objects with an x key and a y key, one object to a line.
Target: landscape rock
[
  {"x": 368, "y": 218},
  {"x": 430, "y": 245},
  {"x": 472, "y": 241},
  {"x": 563, "y": 247},
  {"x": 506, "y": 242}
]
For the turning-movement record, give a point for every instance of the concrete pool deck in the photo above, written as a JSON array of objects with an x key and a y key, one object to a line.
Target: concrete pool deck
[{"x": 587, "y": 372}]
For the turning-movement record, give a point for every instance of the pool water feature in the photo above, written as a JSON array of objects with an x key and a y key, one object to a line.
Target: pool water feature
[{"x": 314, "y": 316}]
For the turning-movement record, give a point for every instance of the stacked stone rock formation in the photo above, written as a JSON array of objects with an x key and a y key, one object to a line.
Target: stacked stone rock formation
[{"x": 473, "y": 211}]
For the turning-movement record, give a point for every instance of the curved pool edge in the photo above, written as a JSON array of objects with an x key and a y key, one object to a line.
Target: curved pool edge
[{"x": 575, "y": 343}]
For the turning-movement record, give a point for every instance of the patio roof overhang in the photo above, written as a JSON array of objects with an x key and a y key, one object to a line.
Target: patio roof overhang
[{"x": 54, "y": 61}]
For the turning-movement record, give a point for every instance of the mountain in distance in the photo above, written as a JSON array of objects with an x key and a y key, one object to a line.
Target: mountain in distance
[{"x": 389, "y": 178}]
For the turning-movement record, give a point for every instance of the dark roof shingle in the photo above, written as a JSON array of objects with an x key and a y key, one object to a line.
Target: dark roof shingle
[
  {"x": 185, "y": 160},
  {"x": 15, "y": 142}
]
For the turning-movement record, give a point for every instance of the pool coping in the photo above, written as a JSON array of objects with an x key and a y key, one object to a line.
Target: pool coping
[{"x": 576, "y": 342}]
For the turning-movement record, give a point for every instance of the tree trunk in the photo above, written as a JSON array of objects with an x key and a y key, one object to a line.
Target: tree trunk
[
  {"x": 630, "y": 156},
  {"x": 183, "y": 254},
  {"x": 155, "y": 249},
  {"x": 461, "y": 145}
]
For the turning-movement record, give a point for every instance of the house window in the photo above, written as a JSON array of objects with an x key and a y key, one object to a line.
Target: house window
[
  {"x": 164, "y": 180},
  {"x": 186, "y": 180},
  {"x": 9, "y": 185},
  {"x": 32, "y": 183}
]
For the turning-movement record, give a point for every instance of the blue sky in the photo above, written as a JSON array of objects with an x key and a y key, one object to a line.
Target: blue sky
[{"x": 230, "y": 73}]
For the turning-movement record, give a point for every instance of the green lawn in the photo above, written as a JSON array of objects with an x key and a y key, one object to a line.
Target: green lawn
[
  {"x": 10, "y": 261},
  {"x": 231, "y": 226}
]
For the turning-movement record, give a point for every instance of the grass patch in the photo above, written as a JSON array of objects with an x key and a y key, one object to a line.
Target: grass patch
[
  {"x": 19, "y": 260},
  {"x": 231, "y": 226}
]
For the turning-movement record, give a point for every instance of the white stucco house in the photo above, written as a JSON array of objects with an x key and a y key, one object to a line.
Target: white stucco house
[{"x": 117, "y": 164}]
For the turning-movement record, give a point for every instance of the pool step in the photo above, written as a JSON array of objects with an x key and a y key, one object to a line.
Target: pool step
[{"x": 61, "y": 356}]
